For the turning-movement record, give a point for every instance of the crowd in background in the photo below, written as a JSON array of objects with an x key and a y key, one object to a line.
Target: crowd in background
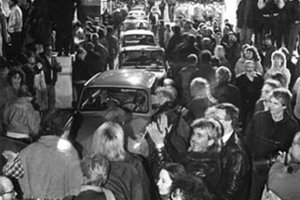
[{"x": 227, "y": 123}]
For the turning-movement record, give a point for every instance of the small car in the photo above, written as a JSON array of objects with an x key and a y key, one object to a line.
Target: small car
[
  {"x": 150, "y": 58},
  {"x": 140, "y": 14},
  {"x": 137, "y": 37},
  {"x": 130, "y": 91}
]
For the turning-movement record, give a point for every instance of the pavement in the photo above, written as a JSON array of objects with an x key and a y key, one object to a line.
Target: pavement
[{"x": 63, "y": 87}]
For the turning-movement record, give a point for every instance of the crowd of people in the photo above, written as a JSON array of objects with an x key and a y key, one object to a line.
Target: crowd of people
[{"x": 226, "y": 125}]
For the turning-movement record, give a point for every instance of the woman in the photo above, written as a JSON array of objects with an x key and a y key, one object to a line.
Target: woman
[
  {"x": 21, "y": 120},
  {"x": 128, "y": 178},
  {"x": 203, "y": 157},
  {"x": 279, "y": 65},
  {"x": 169, "y": 173},
  {"x": 251, "y": 53}
]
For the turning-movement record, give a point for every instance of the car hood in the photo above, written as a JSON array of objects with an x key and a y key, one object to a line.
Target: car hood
[{"x": 89, "y": 123}]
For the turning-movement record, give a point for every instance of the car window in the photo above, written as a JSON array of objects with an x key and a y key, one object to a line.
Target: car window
[
  {"x": 132, "y": 40},
  {"x": 100, "y": 99},
  {"x": 143, "y": 59},
  {"x": 133, "y": 25}
]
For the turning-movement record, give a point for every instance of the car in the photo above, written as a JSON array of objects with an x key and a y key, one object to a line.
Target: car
[
  {"x": 134, "y": 24},
  {"x": 140, "y": 14},
  {"x": 150, "y": 58},
  {"x": 130, "y": 91},
  {"x": 137, "y": 37}
]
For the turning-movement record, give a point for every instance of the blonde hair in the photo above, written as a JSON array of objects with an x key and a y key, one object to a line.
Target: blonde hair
[{"x": 108, "y": 140}]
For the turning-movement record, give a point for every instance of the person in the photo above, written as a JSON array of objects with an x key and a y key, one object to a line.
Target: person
[
  {"x": 279, "y": 65},
  {"x": 95, "y": 170},
  {"x": 189, "y": 187},
  {"x": 14, "y": 27},
  {"x": 48, "y": 168},
  {"x": 7, "y": 191},
  {"x": 50, "y": 67},
  {"x": 20, "y": 119},
  {"x": 167, "y": 35},
  {"x": 219, "y": 53},
  {"x": 112, "y": 46},
  {"x": 15, "y": 79},
  {"x": 3, "y": 30},
  {"x": 268, "y": 49},
  {"x": 201, "y": 99},
  {"x": 265, "y": 133},
  {"x": 223, "y": 91},
  {"x": 233, "y": 48},
  {"x": 202, "y": 159},
  {"x": 184, "y": 78},
  {"x": 128, "y": 178},
  {"x": 206, "y": 69},
  {"x": 251, "y": 53},
  {"x": 169, "y": 173},
  {"x": 284, "y": 177},
  {"x": 249, "y": 83},
  {"x": 236, "y": 165},
  {"x": 262, "y": 102}
]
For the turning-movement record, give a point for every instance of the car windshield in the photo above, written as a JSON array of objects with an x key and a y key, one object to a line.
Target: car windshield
[
  {"x": 153, "y": 60},
  {"x": 132, "y": 40},
  {"x": 133, "y": 25},
  {"x": 100, "y": 99}
]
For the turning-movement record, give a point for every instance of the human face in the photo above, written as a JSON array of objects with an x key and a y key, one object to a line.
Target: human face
[
  {"x": 16, "y": 81},
  {"x": 278, "y": 61},
  {"x": 266, "y": 91},
  {"x": 249, "y": 69},
  {"x": 249, "y": 55},
  {"x": 295, "y": 149},
  {"x": 220, "y": 115},
  {"x": 275, "y": 106},
  {"x": 164, "y": 182},
  {"x": 200, "y": 140}
]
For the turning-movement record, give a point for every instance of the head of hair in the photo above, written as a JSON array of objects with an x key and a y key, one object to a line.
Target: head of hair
[
  {"x": 13, "y": 72},
  {"x": 199, "y": 85},
  {"x": 166, "y": 92},
  {"x": 51, "y": 124},
  {"x": 95, "y": 169},
  {"x": 108, "y": 140},
  {"x": 255, "y": 53},
  {"x": 191, "y": 187},
  {"x": 273, "y": 83},
  {"x": 206, "y": 56},
  {"x": 232, "y": 113},
  {"x": 278, "y": 76},
  {"x": 175, "y": 170},
  {"x": 286, "y": 52},
  {"x": 4, "y": 181},
  {"x": 284, "y": 96},
  {"x": 213, "y": 127},
  {"x": 224, "y": 74},
  {"x": 109, "y": 29},
  {"x": 278, "y": 53},
  {"x": 176, "y": 29},
  {"x": 169, "y": 82},
  {"x": 192, "y": 59}
]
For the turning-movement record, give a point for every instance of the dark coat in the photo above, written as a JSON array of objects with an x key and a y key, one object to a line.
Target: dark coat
[
  {"x": 50, "y": 69},
  {"x": 269, "y": 137},
  {"x": 236, "y": 174},
  {"x": 197, "y": 107},
  {"x": 90, "y": 195}
]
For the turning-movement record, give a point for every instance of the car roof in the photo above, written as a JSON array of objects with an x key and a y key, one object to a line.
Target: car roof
[
  {"x": 138, "y": 32},
  {"x": 135, "y": 20},
  {"x": 142, "y": 47},
  {"x": 136, "y": 78}
]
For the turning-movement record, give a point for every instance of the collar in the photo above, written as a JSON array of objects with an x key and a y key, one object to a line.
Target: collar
[{"x": 226, "y": 137}]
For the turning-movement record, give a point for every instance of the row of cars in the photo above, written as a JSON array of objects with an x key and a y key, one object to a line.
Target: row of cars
[{"x": 130, "y": 87}]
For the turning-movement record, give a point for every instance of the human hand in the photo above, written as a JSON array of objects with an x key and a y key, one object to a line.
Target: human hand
[
  {"x": 9, "y": 155},
  {"x": 155, "y": 134},
  {"x": 162, "y": 123}
]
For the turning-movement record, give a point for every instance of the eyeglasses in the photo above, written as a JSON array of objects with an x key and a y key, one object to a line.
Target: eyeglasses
[{"x": 12, "y": 191}]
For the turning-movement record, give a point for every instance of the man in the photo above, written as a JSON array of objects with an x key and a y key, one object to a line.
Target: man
[
  {"x": 249, "y": 83},
  {"x": 50, "y": 67},
  {"x": 7, "y": 191},
  {"x": 236, "y": 174},
  {"x": 112, "y": 46},
  {"x": 268, "y": 133},
  {"x": 15, "y": 24},
  {"x": 284, "y": 176}
]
